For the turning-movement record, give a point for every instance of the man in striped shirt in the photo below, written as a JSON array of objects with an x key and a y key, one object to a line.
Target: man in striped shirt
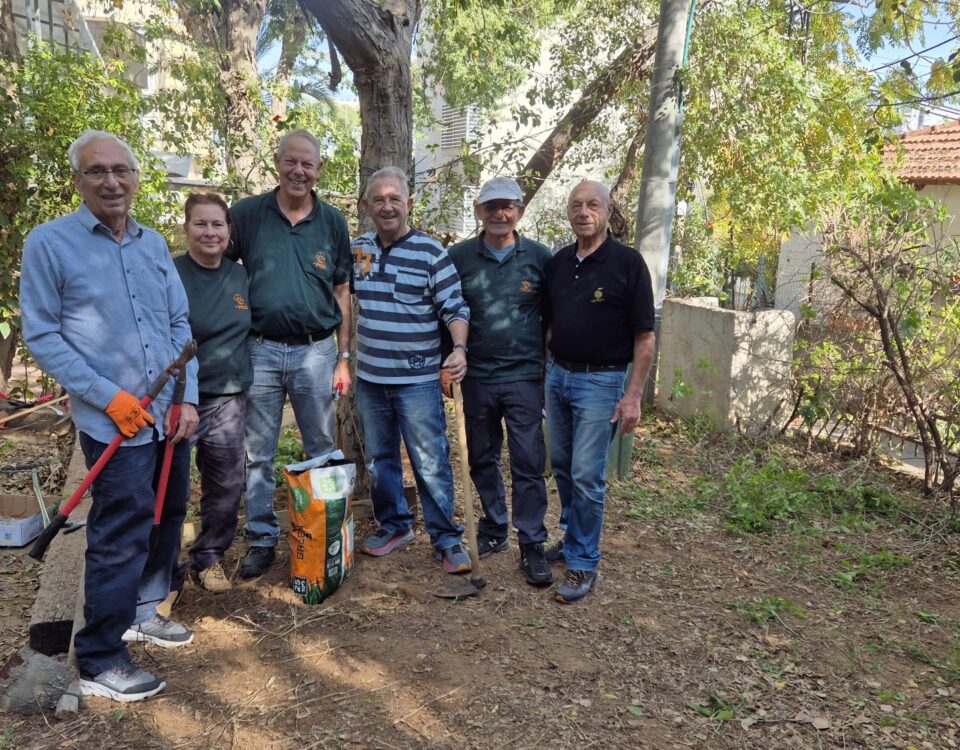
[{"x": 405, "y": 282}]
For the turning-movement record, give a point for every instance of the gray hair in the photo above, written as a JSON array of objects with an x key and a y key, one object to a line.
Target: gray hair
[
  {"x": 298, "y": 133},
  {"x": 388, "y": 173},
  {"x": 602, "y": 189},
  {"x": 89, "y": 136}
]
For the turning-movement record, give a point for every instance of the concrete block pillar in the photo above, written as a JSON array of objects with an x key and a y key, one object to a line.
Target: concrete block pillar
[{"x": 731, "y": 366}]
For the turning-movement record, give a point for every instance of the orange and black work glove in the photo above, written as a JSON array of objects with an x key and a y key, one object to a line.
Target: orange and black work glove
[{"x": 126, "y": 411}]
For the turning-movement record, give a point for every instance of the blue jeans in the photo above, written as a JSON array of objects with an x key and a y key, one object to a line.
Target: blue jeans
[
  {"x": 414, "y": 412},
  {"x": 579, "y": 408},
  {"x": 305, "y": 373},
  {"x": 128, "y": 560}
]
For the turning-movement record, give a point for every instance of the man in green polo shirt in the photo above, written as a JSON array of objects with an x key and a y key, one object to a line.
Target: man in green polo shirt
[
  {"x": 296, "y": 250},
  {"x": 502, "y": 276}
]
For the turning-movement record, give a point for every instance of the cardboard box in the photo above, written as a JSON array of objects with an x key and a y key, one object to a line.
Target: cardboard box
[{"x": 20, "y": 520}]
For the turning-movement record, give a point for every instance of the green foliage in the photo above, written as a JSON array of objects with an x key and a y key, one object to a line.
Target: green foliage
[
  {"x": 895, "y": 322},
  {"x": 289, "y": 451},
  {"x": 867, "y": 565},
  {"x": 8, "y": 737},
  {"x": 45, "y": 104},
  {"x": 717, "y": 709},
  {"x": 763, "y": 494},
  {"x": 481, "y": 48},
  {"x": 700, "y": 258},
  {"x": 763, "y": 610}
]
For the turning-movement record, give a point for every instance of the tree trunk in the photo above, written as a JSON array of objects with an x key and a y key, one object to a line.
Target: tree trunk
[
  {"x": 632, "y": 63},
  {"x": 232, "y": 35},
  {"x": 622, "y": 222},
  {"x": 291, "y": 43},
  {"x": 8, "y": 33},
  {"x": 376, "y": 43}
]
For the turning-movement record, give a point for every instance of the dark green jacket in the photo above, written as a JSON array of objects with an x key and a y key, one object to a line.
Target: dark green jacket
[{"x": 506, "y": 332}]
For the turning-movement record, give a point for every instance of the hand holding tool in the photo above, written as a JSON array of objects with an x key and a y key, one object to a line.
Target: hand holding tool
[
  {"x": 46, "y": 536},
  {"x": 130, "y": 417}
]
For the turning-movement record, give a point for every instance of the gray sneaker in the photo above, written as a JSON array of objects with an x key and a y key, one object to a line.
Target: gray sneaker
[
  {"x": 455, "y": 559},
  {"x": 160, "y": 631},
  {"x": 124, "y": 683},
  {"x": 577, "y": 585},
  {"x": 384, "y": 542}
]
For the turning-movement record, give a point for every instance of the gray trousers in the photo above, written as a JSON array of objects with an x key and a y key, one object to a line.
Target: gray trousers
[{"x": 221, "y": 460}]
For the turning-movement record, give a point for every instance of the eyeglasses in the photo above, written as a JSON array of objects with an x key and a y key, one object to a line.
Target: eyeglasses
[
  {"x": 498, "y": 205},
  {"x": 99, "y": 174}
]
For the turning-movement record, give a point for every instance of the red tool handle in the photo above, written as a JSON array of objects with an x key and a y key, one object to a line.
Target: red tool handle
[
  {"x": 47, "y": 535},
  {"x": 178, "y": 392},
  {"x": 178, "y": 366}
]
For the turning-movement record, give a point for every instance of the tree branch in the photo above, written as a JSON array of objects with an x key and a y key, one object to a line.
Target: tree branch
[{"x": 632, "y": 63}]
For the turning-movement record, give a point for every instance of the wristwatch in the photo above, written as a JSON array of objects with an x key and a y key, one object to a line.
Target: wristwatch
[
  {"x": 461, "y": 346},
  {"x": 344, "y": 356}
]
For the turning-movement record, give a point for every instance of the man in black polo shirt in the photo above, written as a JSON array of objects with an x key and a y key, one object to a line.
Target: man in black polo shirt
[
  {"x": 502, "y": 276},
  {"x": 296, "y": 250},
  {"x": 599, "y": 308}
]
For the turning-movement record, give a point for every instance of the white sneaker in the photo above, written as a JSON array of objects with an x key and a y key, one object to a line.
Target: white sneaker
[
  {"x": 160, "y": 631},
  {"x": 124, "y": 683}
]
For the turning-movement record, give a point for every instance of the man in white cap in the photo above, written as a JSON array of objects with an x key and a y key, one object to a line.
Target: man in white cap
[{"x": 502, "y": 275}]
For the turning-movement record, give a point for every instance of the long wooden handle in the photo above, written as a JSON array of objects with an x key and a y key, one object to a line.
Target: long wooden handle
[
  {"x": 36, "y": 407},
  {"x": 465, "y": 480}
]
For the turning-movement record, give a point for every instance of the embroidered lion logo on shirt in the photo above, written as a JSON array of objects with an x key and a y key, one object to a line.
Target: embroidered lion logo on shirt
[
  {"x": 320, "y": 262},
  {"x": 362, "y": 264},
  {"x": 239, "y": 302},
  {"x": 526, "y": 287}
]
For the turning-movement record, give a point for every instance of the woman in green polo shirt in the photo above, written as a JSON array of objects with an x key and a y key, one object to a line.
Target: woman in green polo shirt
[{"x": 218, "y": 294}]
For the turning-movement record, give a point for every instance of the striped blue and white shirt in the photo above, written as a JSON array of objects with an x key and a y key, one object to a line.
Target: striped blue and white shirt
[{"x": 405, "y": 291}]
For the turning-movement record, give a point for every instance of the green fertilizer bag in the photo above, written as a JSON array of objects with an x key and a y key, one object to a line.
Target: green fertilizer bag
[{"x": 321, "y": 524}]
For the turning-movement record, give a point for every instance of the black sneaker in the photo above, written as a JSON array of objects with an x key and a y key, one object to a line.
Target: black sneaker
[
  {"x": 535, "y": 565},
  {"x": 257, "y": 561},
  {"x": 487, "y": 545},
  {"x": 577, "y": 585},
  {"x": 554, "y": 553}
]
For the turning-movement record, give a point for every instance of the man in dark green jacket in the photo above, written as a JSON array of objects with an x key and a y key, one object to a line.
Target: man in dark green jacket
[{"x": 502, "y": 276}]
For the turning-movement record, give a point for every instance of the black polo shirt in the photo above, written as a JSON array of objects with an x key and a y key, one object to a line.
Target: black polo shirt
[{"x": 595, "y": 306}]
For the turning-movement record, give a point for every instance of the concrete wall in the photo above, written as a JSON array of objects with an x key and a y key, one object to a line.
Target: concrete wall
[
  {"x": 798, "y": 255},
  {"x": 731, "y": 366}
]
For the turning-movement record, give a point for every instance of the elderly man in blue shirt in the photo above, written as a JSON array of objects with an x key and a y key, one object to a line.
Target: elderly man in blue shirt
[{"x": 104, "y": 312}]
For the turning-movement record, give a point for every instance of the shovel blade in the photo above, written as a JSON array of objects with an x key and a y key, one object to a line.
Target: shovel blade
[{"x": 460, "y": 588}]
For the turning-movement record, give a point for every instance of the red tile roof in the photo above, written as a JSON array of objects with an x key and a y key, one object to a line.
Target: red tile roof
[{"x": 930, "y": 156}]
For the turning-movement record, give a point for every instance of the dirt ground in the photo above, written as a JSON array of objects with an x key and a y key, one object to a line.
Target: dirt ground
[{"x": 843, "y": 632}]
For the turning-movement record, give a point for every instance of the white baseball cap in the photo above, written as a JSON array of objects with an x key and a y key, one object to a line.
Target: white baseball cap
[{"x": 500, "y": 189}]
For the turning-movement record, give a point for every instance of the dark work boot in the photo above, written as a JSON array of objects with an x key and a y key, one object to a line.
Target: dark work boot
[
  {"x": 554, "y": 553},
  {"x": 535, "y": 565},
  {"x": 257, "y": 561}
]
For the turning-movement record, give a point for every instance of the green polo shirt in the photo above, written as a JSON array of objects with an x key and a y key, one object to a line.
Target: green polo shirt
[
  {"x": 220, "y": 322},
  {"x": 506, "y": 332},
  {"x": 292, "y": 268}
]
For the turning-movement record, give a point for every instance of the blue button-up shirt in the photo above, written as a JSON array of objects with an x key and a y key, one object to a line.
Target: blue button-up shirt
[{"x": 103, "y": 316}]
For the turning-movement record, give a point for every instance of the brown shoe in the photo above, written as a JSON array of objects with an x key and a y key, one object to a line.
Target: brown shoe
[{"x": 214, "y": 580}]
